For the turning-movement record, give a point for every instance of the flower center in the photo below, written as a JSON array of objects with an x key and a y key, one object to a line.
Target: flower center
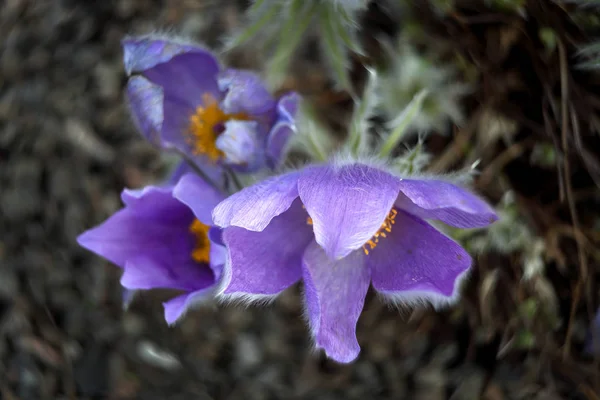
[
  {"x": 205, "y": 126},
  {"x": 201, "y": 252},
  {"x": 381, "y": 233}
]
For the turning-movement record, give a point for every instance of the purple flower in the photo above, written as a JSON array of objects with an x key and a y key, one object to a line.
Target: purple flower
[
  {"x": 340, "y": 228},
  {"x": 163, "y": 238},
  {"x": 181, "y": 98}
]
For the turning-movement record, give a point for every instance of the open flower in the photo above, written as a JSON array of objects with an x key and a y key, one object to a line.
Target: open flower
[
  {"x": 182, "y": 98},
  {"x": 340, "y": 228},
  {"x": 163, "y": 238}
]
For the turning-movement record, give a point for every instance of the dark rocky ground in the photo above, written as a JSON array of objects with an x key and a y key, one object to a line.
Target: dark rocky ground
[{"x": 67, "y": 148}]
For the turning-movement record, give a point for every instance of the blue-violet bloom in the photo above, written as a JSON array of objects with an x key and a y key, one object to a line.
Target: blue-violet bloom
[
  {"x": 340, "y": 227},
  {"x": 181, "y": 98},
  {"x": 164, "y": 238}
]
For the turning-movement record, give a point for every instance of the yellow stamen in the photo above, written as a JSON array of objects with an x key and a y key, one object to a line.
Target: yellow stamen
[
  {"x": 201, "y": 252},
  {"x": 390, "y": 220},
  {"x": 202, "y": 135}
]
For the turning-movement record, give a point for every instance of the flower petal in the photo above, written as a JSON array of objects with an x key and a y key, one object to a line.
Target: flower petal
[
  {"x": 278, "y": 140},
  {"x": 287, "y": 106},
  {"x": 453, "y": 205},
  {"x": 187, "y": 78},
  {"x": 254, "y": 207},
  {"x": 146, "y": 103},
  {"x": 198, "y": 195},
  {"x": 416, "y": 262},
  {"x": 245, "y": 93},
  {"x": 268, "y": 262},
  {"x": 347, "y": 204},
  {"x": 152, "y": 223},
  {"x": 142, "y": 53},
  {"x": 283, "y": 129},
  {"x": 168, "y": 270},
  {"x": 178, "y": 306},
  {"x": 335, "y": 294},
  {"x": 240, "y": 145}
]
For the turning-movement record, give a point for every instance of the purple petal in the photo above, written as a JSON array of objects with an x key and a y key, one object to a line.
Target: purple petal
[
  {"x": 146, "y": 103},
  {"x": 268, "y": 262},
  {"x": 153, "y": 223},
  {"x": 434, "y": 199},
  {"x": 347, "y": 204},
  {"x": 240, "y": 145},
  {"x": 254, "y": 207},
  {"x": 278, "y": 140},
  {"x": 178, "y": 306},
  {"x": 335, "y": 294},
  {"x": 283, "y": 129},
  {"x": 187, "y": 78},
  {"x": 245, "y": 93},
  {"x": 142, "y": 53},
  {"x": 172, "y": 269},
  {"x": 198, "y": 195},
  {"x": 218, "y": 259},
  {"x": 215, "y": 234},
  {"x": 287, "y": 106},
  {"x": 416, "y": 262}
]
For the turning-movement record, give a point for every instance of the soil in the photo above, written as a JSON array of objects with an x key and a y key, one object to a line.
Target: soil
[{"x": 68, "y": 147}]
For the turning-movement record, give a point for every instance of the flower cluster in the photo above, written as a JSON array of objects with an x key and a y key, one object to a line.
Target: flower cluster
[{"x": 340, "y": 225}]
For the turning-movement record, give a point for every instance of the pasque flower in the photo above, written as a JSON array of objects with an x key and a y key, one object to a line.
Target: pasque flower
[
  {"x": 163, "y": 238},
  {"x": 339, "y": 228},
  {"x": 182, "y": 98}
]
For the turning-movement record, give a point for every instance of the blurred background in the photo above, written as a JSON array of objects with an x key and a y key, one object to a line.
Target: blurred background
[{"x": 512, "y": 94}]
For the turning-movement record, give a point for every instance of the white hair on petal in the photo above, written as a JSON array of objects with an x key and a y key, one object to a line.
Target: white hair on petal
[
  {"x": 423, "y": 298},
  {"x": 170, "y": 34},
  {"x": 203, "y": 297},
  {"x": 244, "y": 299}
]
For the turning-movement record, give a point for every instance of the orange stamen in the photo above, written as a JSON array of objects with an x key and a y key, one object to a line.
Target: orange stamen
[
  {"x": 201, "y": 252},
  {"x": 202, "y": 135},
  {"x": 389, "y": 221}
]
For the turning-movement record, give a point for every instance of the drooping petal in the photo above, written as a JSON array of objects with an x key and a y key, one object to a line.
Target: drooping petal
[
  {"x": 152, "y": 223},
  {"x": 268, "y": 262},
  {"x": 187, "y": 78},
  {"x": 198, "y": 195},
  {"x": 169, "y": 269},
  {"x": 287, "y": 106},
  {"x": 245, "y": 93},
  {"x": 240, "y": 145},
  {"x": 283, "y": 129},
  {"x": 347, "y": 204},
  {"x": 277, "y": 142},
  {"x": 146, "y": 103},
  {"x": 416, "y": 262},
  {"x": 335, "y": 294},
  {"x": 254, "y": 207},
  {"x": 453, "y": 205},
  {"x": 178, "y": 306},
  {"x": 142, "y": 53}
]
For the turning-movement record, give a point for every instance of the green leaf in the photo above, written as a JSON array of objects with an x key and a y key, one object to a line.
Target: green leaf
[
  {"x": 364, "y": 109},
  {"x": 302, "y": 13},
  {"x": 334, "y": 49},
  {"x": 259, "y": 14},
  {"x": 402, "y": 122}
]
